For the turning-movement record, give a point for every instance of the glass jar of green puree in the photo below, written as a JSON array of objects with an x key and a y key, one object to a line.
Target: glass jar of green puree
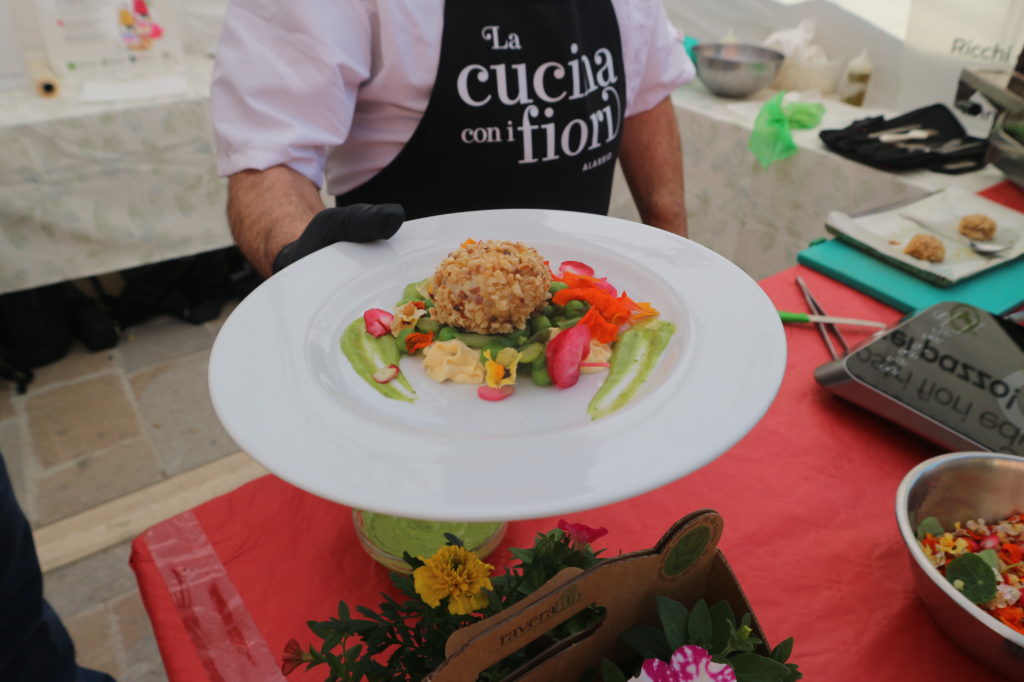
[{"x": 385, "y": 537}]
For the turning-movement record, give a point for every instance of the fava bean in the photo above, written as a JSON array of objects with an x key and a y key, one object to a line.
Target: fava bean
[
  {"x": 427, "y": 325},
  {"x": 539, "y": 374},
  {"x": 477, "y": 340},
  {"x": 575, "y": 309},
  {"x": 531, "y": 352},
  {"x": 400, "y": 339},
  {"x": 539, "y": 323},
  {"x": 446, "y": 333}
]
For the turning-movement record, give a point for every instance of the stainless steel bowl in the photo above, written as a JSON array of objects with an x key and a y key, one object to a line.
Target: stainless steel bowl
[
  {"x": 959, "y": 487},
  {"x": 736, "y": 69}
]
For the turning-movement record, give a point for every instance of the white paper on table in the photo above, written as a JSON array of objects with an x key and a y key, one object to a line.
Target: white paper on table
[
  {"x": 88, "y": 37},
  {"x": 140, "y": 88},
  {"x": 12, "y": 66}
]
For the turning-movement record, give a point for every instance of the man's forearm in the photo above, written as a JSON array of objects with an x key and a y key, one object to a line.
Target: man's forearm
[
  {"x": 268, "y": 209},
  {"x": 652, "y": 161}
]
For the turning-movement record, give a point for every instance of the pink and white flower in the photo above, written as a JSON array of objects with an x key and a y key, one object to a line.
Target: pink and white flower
[{"x": 690, "y": 663}]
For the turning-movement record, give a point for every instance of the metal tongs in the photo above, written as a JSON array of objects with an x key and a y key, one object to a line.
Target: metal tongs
[{"x": 823, "y": 328}]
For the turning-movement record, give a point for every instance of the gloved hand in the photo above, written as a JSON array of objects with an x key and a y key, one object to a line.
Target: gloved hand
[{"x": 354, "y": 223}]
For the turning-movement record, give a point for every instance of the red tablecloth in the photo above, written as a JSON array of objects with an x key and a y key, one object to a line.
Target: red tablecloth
[{"x": 810, "y": 530}]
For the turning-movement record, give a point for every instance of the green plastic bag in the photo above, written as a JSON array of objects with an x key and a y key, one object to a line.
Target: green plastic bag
[{"x": 771, "y": 139}]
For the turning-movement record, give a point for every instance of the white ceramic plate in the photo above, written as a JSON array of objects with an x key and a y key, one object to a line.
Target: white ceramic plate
[
  {"x": 289, "y": 397},
  {"x": 887, "y": 233}
]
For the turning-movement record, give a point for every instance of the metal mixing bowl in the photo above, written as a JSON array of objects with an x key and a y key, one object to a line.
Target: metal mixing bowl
[
  {"x": 959, "y": 487},
  {"x": 736, "y": 69}
]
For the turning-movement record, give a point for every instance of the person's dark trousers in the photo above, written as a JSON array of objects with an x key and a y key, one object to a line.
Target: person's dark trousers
[{"x": 34, "y": 646}]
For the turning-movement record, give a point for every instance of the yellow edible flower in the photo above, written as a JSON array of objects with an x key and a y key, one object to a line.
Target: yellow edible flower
[
  {"x": 951, "y": 545},
  {"x": 501, "y": 369},
  {"x": 456, "y": 573}
]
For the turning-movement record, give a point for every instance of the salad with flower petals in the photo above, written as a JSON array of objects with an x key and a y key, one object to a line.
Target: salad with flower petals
[{"x": 495, "y": 313}]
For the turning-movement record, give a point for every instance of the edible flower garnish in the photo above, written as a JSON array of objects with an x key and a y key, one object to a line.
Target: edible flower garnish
[
  {"x": 601, "y": 330},
  {"x": 501, "y": 369},
  {"x": 575, "y": 267},
  {"x": 614, "y": 310},
  {"x": 406, "y": 316},
  {"x": 414, "y": 342},
  {"x": 378, "y": 322},
  {"x": 642, "y": 310},
  {"x": 983, "y": 561}
]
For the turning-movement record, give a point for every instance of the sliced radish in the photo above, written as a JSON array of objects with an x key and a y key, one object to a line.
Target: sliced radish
[
  {"x": 595, "y": 364},
  {"x": 990, "y": 541},
  {"x": 494, "y": 394},
  {"x": 385, "y": 374},
  {"x": 565, "y": 352},
  {"x": 576, "y": 267},
  {"x": 378, "y": 322}
]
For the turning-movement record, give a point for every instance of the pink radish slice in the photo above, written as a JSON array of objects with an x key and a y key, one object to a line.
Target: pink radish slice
[
  {"x": 494, "y": 394},
  {"x": 378, "y": 322},
  {"x": 565, "y": 352},
  {"x": 385, "y": 374},
  {"x": 576, "y": 268}
]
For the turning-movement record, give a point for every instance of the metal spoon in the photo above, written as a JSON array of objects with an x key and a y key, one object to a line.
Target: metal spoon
[{"x": 980, "y": 248}]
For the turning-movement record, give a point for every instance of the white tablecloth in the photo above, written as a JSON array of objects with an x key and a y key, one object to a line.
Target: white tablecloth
[{"x": 92, "y": 188}]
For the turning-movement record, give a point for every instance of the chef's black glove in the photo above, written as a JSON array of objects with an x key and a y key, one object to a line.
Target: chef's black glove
[{"x": 354, "y": 223}]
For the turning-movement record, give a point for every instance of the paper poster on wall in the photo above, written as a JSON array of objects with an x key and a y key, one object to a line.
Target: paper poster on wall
[
  {"x": 91, "y": 37},
  {"x": 12, "y": 67}
]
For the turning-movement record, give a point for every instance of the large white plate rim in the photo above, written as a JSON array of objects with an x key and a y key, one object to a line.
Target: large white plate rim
[{"x": 281, "y": 421}]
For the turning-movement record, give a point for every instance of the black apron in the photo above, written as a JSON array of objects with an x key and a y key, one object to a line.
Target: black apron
[{"x": 526, "y": 112}]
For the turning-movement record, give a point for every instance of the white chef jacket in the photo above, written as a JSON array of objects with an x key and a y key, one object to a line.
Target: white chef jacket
[{"x": 337, "y": 87}]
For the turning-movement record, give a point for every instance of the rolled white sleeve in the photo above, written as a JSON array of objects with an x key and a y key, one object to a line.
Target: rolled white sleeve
[
  {"x": 662, "y": 64},
  {"x": 285, "y": 82}
]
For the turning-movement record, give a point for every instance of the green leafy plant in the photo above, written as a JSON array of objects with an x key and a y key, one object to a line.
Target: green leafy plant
[
  {"x": 714, "y": 628},
  {"x": 404, "y": 638}
]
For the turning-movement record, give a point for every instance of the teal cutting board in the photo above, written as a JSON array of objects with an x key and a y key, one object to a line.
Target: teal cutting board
[{"x": 998, "y": 291}]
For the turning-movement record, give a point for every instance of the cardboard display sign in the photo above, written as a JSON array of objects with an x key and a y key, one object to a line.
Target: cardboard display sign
[{"x": 685, "y": 565}]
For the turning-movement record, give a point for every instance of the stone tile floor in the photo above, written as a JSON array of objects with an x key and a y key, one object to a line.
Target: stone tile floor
[{"x": 93, "y": 427}]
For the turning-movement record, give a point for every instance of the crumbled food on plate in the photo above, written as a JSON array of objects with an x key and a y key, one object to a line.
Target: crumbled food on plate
[
  {"x": 977, "y": 226},
  {"x": 489, "y": 287},
  {"x": 926, "y": 247},
  {"x": 984, "y": 561}
]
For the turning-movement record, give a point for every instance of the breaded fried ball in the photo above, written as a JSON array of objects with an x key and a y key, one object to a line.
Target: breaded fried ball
[
  {"x": 926, "y": 247},
  {"x": 489, "y": 287},
  {"x": 977, "y": 226}
]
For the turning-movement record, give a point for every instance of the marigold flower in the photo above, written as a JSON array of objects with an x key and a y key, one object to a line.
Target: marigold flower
[{"x": 457, "y": 574}]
